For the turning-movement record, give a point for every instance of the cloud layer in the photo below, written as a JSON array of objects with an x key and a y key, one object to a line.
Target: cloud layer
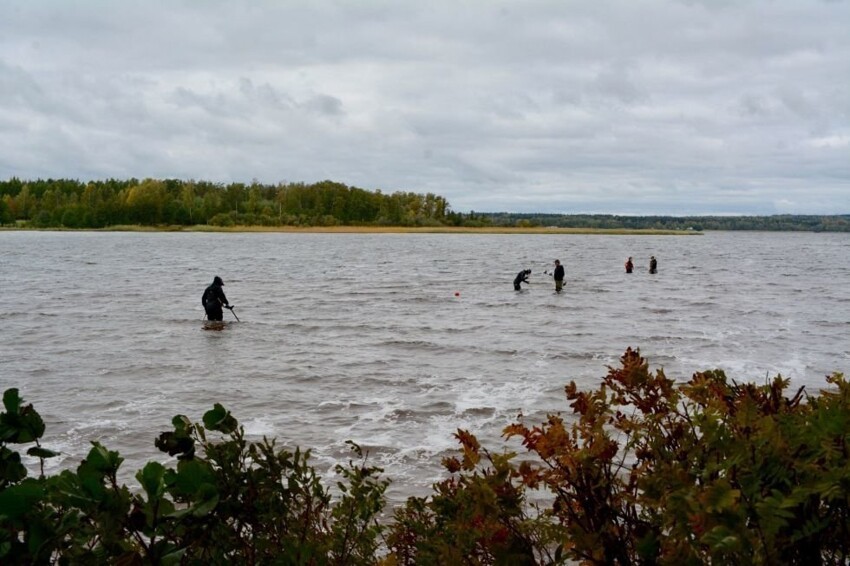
[{"x": 644, "y": 107}]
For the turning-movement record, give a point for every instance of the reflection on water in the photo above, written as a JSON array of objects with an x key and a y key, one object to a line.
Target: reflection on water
[{"x": 393, "y": 341}]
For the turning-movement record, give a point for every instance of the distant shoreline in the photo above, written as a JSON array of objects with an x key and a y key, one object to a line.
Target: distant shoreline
[{"x": 373, "y": 230}]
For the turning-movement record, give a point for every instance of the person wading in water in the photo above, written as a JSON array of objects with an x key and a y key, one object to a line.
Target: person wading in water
[
  {"x": 559, "y": 276},
  {"x": 521, "y": 277},
  {"x": 629, "y": 265},
  {"x": 213, "y": 299}
]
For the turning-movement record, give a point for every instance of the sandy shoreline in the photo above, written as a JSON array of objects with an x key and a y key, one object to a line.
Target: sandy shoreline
[{"x": 378, "y": 230}]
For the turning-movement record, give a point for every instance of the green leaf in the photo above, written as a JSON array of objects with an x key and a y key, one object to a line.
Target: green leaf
[
  {"x": 12, "y": 401},
  {"x": 39, "y": 452},
  {"x": 721, "y": 539},
  {"x": 218, "y": 418},
  {"x": 103, "y": 460},
  {"x": 720, "y": 497},
  {"x": 214, "y": 416},
  {"x": 181, "y": 423},
  {"x": 21, "y": 424},
  {"x": 175, "y": 557},
  {"x": 17, "y": 500},
  {"x": 209, "y": 499},
  {"x": 177, "y": 443},
  {"x": 11, "y": 469},
  {"x": 190, "y": 476},
  {"x": 99, "y": 464},
  {"x": 151, "y": 478}
]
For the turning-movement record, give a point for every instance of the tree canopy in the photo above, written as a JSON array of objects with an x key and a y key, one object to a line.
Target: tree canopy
[
  {"x": 66, "y": 203},
  {"x": 46, "y": 203},
  {"x": 777, "y": 222}
]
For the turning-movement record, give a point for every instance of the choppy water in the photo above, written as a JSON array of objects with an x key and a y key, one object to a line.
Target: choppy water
[{"x": 362, "y": 337}]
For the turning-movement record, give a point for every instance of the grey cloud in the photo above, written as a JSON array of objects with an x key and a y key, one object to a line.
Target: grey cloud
[
  {"x": 798, "y": 102},
  {"x": 264, "y": 94},
  {"x": 617, "y": 82},
  {"x": 537, "y": 105},
  {"x": 17, "y": 87},
  {"x": 755, "y": 105},
  {"x": 324, "y": 104}
]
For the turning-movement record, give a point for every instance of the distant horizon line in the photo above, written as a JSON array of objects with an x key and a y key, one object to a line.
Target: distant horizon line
[{"x": 695, "y": 215}]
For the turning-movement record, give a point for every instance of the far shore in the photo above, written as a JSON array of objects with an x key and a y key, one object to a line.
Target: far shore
[{"x": 376, "y": 230}]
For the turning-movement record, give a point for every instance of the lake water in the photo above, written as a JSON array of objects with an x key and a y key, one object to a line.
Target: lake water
[{"x": 392, "y": 340}]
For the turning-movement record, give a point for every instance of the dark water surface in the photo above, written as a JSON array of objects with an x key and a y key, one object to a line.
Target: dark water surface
[{"x": 362, "y": 336}]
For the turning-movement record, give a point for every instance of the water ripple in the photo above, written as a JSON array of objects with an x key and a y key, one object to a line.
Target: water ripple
[{"x": 392, "y": 341}]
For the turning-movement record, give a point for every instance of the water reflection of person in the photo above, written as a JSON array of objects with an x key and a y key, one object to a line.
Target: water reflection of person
[
  {"x": 213, "y": 299},
  {"x": 521, "y": 277}
]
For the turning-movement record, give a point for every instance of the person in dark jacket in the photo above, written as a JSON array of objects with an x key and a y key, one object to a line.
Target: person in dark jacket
[
  {"x": 521, "y": 277},
  {"x": 629, "y": 265},
  {"x": 653, "y": 265},
  {"x": 213, "y": 299},
  {"x": 559, "y": 276}
]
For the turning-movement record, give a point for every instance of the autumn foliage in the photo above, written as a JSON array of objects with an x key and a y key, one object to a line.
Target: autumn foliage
[{"x": 641, "y": 470}]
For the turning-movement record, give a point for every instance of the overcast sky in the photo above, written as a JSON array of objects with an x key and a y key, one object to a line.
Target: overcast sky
[{"x": 627, "y": 107}]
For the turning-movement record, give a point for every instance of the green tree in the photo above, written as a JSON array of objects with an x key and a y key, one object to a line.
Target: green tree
[
  {"x": 25, "y": 203},
  {"x": 146, "y": 202},
  {"x": 188, "y": 199},
  {"x": 6, "y": 216}
]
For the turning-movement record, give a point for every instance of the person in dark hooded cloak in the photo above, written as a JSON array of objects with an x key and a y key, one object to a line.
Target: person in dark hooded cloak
[{"x": 213, "y": 299}]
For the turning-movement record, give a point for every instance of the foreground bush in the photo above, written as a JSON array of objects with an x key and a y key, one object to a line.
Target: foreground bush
[
  {"x": 642, "y": 470},
  {"x": 230, "y": 501}
]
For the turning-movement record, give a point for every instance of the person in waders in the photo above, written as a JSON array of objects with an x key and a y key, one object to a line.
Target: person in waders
[
  {"x": 521, "y": 277},
  {"x": 213, "y": 299},
  {"x": 559, "y": 276}
]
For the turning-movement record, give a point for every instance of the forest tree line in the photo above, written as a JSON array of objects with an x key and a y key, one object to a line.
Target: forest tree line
[
  {"x": 66, "y": 203},
  {"x": 779, "y": 222}
]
